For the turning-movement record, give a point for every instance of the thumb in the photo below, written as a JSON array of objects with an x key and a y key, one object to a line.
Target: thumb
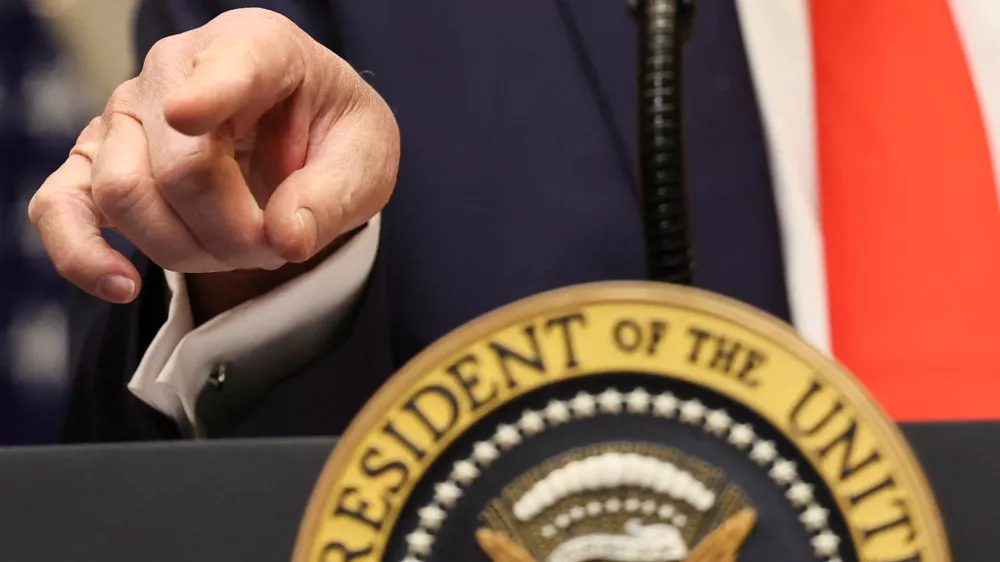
[{"x": 343, "y": 183}]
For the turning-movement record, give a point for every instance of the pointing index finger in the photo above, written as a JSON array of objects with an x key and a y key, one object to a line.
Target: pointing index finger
[{"x": 246, "y": 67}]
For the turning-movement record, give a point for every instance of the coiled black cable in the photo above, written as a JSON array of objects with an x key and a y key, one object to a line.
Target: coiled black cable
[{"x": 663, "y": 28}]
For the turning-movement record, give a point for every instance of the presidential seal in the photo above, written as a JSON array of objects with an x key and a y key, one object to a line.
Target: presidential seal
[{"x": 622, "y": 422}]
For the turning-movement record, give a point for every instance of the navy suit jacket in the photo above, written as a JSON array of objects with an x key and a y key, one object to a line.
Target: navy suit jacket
[{"x": 518, "y": 175}]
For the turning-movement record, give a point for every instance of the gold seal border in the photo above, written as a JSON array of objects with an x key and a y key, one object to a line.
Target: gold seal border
[{"x": 888, "y": 434}]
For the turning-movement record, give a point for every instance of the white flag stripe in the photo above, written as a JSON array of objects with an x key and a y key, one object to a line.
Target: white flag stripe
[
  {"x": 978, "y": 23},
  {"x": 779, "y": 48}
]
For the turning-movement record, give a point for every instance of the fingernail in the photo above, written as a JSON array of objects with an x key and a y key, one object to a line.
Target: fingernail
[
  {"x": 307, "y": 222},
  {"x": 116, "y": 288}
]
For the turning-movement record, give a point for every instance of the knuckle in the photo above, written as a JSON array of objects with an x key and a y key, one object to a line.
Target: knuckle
[
  {"x": 114, "y": 191},
  {"x": 266, "y": 19},
  {"x": 121, "y": 101},
  {"x": 94, "y": 124},
  {"x": 270, "y": 33},
  {"x": 45, "y": 199},
  {"x": 166, "y": 58},
  {"x": 91, "y": 133},
  {"x": 162, "y": 52},
  {"x": 261, "y": 26}
]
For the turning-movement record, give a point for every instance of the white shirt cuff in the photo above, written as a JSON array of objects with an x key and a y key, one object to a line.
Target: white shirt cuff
[{"x": 259, "y": 338}]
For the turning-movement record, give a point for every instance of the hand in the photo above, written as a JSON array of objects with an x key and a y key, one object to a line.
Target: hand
[{"x": 242, "y": 145}]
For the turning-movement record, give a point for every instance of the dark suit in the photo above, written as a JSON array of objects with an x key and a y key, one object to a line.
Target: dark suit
[{"x": 517, "y": 176}]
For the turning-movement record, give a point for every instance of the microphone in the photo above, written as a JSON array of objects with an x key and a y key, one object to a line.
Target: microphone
[{"x": 664, "y": 26}]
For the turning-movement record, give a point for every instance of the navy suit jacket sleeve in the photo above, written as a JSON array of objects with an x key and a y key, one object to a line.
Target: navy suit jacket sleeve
[{"x": 320, "y": 398}]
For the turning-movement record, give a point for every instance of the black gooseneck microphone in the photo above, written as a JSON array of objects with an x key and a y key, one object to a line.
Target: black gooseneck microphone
[{"x": 664, "y": 26}]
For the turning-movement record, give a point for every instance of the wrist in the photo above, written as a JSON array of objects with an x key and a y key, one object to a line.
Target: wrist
[{"x": 212, "y": 294}]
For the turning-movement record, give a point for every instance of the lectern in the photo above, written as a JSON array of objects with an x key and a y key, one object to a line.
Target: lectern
[{"x": 242, "y": 500}]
